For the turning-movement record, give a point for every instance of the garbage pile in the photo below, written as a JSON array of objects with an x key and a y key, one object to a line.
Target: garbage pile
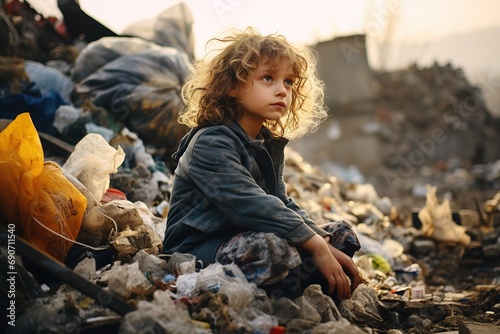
[
  {"x": 437, "y": 129},
  {"x": 437, "y": 103},
  {"x": 118, "y": 247},
  {"x": 94, "y": 81},
  {"x": 426, "y": 125},
  {"x": 89, "y": 157}
]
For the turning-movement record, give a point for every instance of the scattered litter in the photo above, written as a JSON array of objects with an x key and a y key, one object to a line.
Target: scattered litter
[{"x": 116, "y": 181}]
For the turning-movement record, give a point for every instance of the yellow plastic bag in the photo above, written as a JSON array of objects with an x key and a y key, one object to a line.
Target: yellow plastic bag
[{"x": 45, "y": 207}]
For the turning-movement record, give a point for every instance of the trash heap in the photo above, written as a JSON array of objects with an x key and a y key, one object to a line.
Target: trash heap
[
  {"x": 425, "y": 125},
  {"x": 90, "y": 154},
  {"x": 437, "y": 103},
  {"x": 94, "y": 81},
  {"x": 436, "y": 129},
  {"x": 118, "y": 245}
]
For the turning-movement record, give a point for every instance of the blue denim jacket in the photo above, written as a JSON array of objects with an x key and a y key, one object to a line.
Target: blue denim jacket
[{"x": 225, "y": 183}]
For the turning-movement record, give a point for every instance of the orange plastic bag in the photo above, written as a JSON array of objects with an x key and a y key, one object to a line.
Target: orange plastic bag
[{"x": 45, "y": 207}]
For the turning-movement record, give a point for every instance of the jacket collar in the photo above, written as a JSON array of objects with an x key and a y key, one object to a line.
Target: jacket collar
[
  {"x": 264, "y": 137},
  {"x": 264, "y": 140}
]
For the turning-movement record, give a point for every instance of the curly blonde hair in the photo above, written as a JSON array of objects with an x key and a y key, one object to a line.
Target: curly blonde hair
[{"x": 206, "y": 92}]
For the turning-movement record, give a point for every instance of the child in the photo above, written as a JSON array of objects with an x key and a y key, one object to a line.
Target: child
[{"x": 229, "y": 201}]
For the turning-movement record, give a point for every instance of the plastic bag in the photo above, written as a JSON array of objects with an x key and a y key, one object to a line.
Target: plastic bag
[
  {"x": 161, "y": 315},
  {"x": 92, "y": 161},
  {"x": 437, "y": 222},
  {"x": 141, "y": 90},
  {"x": 36, "y": 196},
  {"x": 48, "y": 79},
  {"x": 172, "y": 27},
  {"x": 97, "y": 54},
  {"x": 227, "y": 279},
  {"x": 363, "y": 307}
]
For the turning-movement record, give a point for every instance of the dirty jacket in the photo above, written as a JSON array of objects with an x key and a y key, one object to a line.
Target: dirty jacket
[{"x": 225, "y": 183}]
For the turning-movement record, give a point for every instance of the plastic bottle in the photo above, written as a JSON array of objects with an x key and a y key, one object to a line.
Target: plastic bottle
[{"x": 277, "y": 330}]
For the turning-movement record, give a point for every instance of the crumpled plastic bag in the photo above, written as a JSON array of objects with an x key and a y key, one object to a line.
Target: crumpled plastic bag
[
  {"x": 92, "y": 161},
  {"x": 227, "y": 279},
  {"x": 36, "y": 196},
  {"x": 323, "y": 304},
  {"x": 243, "y": 297},
  {"x": 161, "y": 315},
  {"x": 127, "y": 279},
  {"x": 101, "y": 52},
  {"x": 142, "y": 91},
  {"x": 172, "y": 27},
  {"x": 437, "y": 222},
  {"x": 363, "y": 307},
  {"x": 48, "y": 79},
  {"x": 340, "y": 326}
]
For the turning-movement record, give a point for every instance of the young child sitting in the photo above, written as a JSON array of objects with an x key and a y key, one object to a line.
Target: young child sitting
[{"x": 229, "y": 201}]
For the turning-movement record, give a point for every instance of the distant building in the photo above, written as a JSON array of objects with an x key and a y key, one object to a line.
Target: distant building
[{"x": 343, "y": 66}]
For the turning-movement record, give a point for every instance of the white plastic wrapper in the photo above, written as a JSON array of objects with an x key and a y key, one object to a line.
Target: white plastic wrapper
[{"x": 92, "y": 161}]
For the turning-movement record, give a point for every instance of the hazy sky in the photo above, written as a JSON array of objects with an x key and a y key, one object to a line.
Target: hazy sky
[
  {"x": 305, "y": 20},
  {"x": 310, "y": 21},
  {"x": 414, "y": 22}
]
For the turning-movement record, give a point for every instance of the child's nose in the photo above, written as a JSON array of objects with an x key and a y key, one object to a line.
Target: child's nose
[{"x": 281, "y": 90}]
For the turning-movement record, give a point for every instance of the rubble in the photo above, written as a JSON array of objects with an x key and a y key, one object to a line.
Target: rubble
[{"x": 428, "y": 268}]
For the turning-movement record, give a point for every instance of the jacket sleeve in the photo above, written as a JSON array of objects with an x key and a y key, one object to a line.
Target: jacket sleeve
[
  {"x": 217, "y": 169},
  {"x": 290, "y": 203}
]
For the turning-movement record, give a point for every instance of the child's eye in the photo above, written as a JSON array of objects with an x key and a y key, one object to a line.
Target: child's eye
[
  {"x": 289, "y": 82},
  {"x": 267, "y": 78}
]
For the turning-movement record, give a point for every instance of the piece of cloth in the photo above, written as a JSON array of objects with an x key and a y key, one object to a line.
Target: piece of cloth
[
  {"x": 226, "y": 183},
  {"x": 264, "y": 258},
  {"x": 281, "y": 269},
  {"x": 343, "y": 237},
  {"x": 42, "y": 108}
]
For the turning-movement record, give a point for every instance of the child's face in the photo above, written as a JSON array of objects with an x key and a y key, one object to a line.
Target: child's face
[{"x": 268, "y": 94}]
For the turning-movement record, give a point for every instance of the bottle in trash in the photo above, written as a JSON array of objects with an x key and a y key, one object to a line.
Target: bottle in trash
[{"x": 277, "y": 330}]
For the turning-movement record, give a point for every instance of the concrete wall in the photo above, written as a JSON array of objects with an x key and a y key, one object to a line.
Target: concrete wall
[
  {"x": 342, "y": 140},
  {"x": 343, "y": 66}
]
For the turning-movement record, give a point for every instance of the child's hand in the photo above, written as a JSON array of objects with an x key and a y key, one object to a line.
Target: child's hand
[
  {"x": 329, "y": 266},
  {"x": 348, "y": 265}
]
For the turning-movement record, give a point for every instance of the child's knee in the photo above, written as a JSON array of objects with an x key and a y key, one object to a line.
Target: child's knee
[{"x": 343, "y": 237}]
